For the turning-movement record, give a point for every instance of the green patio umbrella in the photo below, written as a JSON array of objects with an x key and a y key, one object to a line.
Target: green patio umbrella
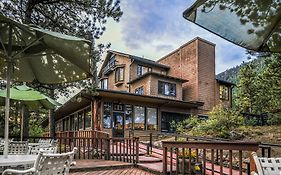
[
  {"x": 30, "y": 97},
  {"x": 29, "y": 53},
  {"x": 252, "y": 24}
]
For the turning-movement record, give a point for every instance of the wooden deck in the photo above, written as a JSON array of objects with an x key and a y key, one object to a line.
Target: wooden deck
[
  {"x": 105, "y": 167},
  {"x": 125, "y": 171}
]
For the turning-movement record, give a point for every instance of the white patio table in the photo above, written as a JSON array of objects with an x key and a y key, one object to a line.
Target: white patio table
[{"x": 16, "y": 160}]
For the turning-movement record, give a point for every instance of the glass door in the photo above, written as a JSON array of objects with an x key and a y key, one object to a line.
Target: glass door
[{"x": 118, "y": 124}]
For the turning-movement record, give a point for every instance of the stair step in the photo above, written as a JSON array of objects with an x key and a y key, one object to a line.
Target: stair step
[
  {"x": 156, "y": 168},
  {"x": 149, "y": 159}
]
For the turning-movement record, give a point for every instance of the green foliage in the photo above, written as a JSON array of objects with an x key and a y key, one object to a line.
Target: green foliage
[
  {"x": 185, "y": 125},
  {"x": 259, "y": 88},
  {"x": 221, "y": 123}
]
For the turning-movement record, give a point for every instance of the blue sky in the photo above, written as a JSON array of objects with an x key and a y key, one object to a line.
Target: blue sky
[{"x": 153, "y": 28}]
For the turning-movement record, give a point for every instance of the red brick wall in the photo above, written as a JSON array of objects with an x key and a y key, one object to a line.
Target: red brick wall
[
  {"x": 195, "y": 61},
  {"x": 206, "y": 74}
]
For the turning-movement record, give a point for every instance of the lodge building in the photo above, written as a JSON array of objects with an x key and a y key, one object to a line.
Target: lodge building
[{"x": 137, "y": 95}]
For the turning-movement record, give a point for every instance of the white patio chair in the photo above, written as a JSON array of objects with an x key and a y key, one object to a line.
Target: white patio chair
[
  {"x": 37, "y": 149},
  {"x": 48, "y": 164},
  {"x": 267, "y": 166},
  {"x": 18, "y": 147}
]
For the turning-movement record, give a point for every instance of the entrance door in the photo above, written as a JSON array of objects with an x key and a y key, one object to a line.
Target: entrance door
[{"x": 118, "y": 124}]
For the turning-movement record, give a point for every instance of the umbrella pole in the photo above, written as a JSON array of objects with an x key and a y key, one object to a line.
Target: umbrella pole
[
  {"x": 7, "y": 102},
  {"x": 7, "y": 109}
]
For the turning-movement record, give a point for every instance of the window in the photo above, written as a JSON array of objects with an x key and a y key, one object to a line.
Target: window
[
  {"x": 128, "y": 117},
  {"x": 151, "y": 115},
  {"x": 165, "y": 88},
  {"x": 71, "y": 123},
  {"x": 80, "y": 120},
  {"x": 139, "y": 118},
  {"x": 224, "y": 92},
  {"x": 104, "y": 83},
  {"x": 107, "y": 115},
  {"x": 140, "y": 90},
  {"x": 88, "y": 116},
  {"x": 119, "y": 74},
  {"x": 140, "y": 70},
  {"x": 75, "y": 122}
]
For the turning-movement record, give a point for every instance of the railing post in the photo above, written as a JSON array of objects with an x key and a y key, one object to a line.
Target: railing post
[
  {"x": 108, "y": 149},
  {"x": 149, "y": 146},
  {"x": 137, "y": 150},
  {"x": 164, "y": 160}
]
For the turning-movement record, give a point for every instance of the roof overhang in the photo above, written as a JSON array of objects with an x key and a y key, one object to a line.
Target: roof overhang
[
  {"x": 158, "y": 75},
  {"x": 147, "y": 99}
]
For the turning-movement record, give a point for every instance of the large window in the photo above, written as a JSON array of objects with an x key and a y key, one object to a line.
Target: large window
[
  {"x": 140, "y": 70},
  {"x": 139, "y": 90},
  {"x": 128, "y": 117},
  {"x": 165, "y": 88},
  {"x": 88, "y": 116},
  {"x": 119, "y": 74},
  {"x": 224, "y": 92},
  {"x": 151, "y": 115},
  {"x": 107, "y": 118},
  {"x": 139, "y": 118},
  {"x": 104, "y": 83}
]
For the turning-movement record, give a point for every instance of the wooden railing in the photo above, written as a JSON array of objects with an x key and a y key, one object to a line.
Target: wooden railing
[
  {"x": 95, "y": 145},
  {"x": 208, "y": 157}
]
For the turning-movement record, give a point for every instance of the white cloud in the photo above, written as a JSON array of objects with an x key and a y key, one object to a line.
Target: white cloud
[{"x": 154, "y": 28}]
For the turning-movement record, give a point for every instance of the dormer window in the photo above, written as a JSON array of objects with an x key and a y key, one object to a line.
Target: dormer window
[
  {"x": 167, "y": 89},
  {"x": 140, "y": 70},
  {"x": 140, "y": 90},
  {"x": 119, "y": 74}
]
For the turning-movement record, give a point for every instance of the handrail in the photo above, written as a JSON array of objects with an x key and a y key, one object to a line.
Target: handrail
[
  {"x": 97, "y": 145},
  {"x": 178, "y": 155}
]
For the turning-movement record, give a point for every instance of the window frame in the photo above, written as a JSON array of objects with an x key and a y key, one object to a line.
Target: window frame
[
  {"x": 138, "y": 89},
  {"x": 134, "y": 118},
  {"x": 118, "y": 74},
  {"x": 103, "y": 83},
  {"x": 224, "y": 92},
  {"x": 169, "y": 84},
  {"x": 146, "y": 118},
  {"x": 140, "y": 70}
]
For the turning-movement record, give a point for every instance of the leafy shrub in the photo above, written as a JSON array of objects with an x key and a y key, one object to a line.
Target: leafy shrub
[
  {"x": 274, "y": 119},
  {"x": 221, "y": 123}
]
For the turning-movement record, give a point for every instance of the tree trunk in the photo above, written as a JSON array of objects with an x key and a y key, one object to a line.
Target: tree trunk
[{"x": 25, "y": 123}]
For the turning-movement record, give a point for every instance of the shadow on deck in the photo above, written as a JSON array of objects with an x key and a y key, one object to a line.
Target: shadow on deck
[{"x": 105, "y": 167}]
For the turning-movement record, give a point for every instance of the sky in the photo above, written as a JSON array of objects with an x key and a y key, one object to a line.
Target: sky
[{"x": 154, "y": 28}]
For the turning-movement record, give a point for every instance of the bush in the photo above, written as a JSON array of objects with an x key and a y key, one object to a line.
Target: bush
[
  {"x": 274, "y": 119},
  {"x": 221, "y": 122},
  {"x": 186, "y": 125}
]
